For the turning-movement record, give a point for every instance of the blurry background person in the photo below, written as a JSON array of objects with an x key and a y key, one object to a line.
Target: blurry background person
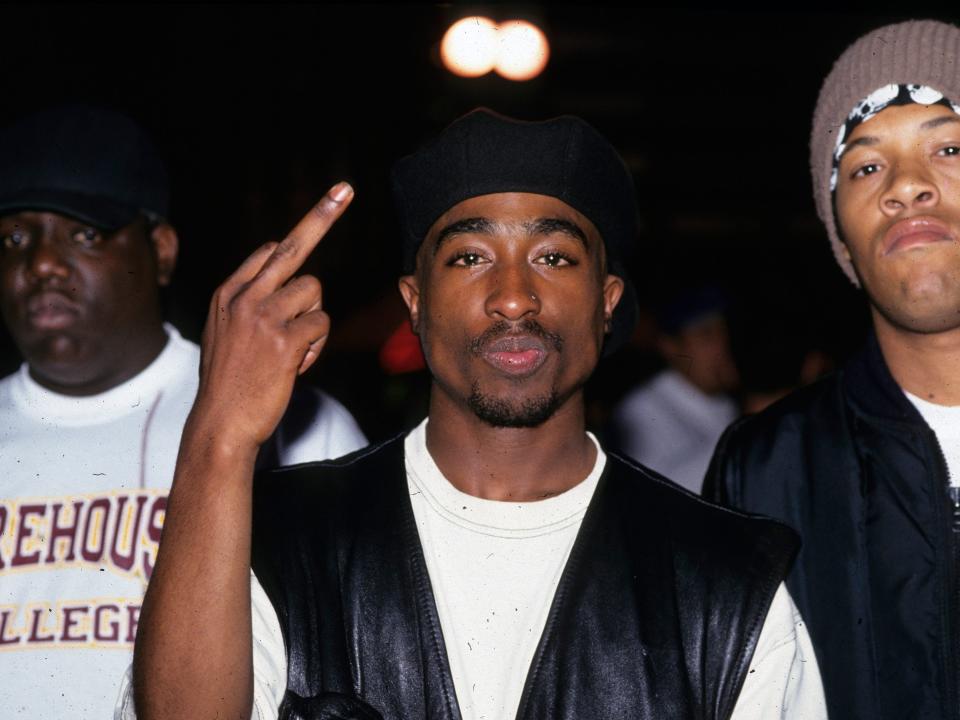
[
  {"x": 92, "y": 420},
  {"x": 672, "y": 422}
]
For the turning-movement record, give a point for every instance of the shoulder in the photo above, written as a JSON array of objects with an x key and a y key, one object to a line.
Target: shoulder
[
  {"x": 725, "y": 564},
  {"x": 186, "y": 352},
  {"x": 6, "y": 388},
  {"x": 768, "y": 461},
  {"x": 351, "y": 472},
  {"x": 691, "y": 520},
  {"x": 803, "y": 410},
  {"x": 295, "y": 505},
  {"x": 803, "y": 418},
  {"x": 316, "y": 426}
]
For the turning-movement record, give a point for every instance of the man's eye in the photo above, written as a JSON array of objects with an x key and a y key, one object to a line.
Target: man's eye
[
  {"x": 951, "y": 150},
  {"x": 88, "y": 237},
  {"x": 556, "y": 259},
  {"x": 467, "y": 259},
  {"x": 15, "y": 240},
  {"x": 864, "y": 170}
]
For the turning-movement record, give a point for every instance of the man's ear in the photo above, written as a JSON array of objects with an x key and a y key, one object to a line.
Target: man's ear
[
  {"x": 612, "y": 292},
  {"x": 410, "y": 290},
  {"x": 846, "y": 252},
  {"x": 165, "y": 246}
]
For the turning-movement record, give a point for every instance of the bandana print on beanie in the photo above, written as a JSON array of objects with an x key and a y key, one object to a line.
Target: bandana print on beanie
[{"x": 878, "y": 100}]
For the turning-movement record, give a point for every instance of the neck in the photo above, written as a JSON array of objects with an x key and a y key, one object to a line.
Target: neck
[
  {"x": 510, "y": 464},
  {"x": 136, "y": 357},
  {"x": 924, "y": 364}
]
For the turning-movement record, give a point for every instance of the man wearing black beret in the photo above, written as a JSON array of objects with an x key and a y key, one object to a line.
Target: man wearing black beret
[{"x": 494, "y": 562}]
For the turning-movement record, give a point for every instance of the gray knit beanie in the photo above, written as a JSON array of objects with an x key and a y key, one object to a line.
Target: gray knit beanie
[{"x": 922, "y": 52}]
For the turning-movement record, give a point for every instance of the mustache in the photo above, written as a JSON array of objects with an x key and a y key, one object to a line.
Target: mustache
[{"x": 502, "y": 328}]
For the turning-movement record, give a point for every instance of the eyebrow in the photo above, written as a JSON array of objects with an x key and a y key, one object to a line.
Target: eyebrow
[
  {"x": 485, "y": 226},
  {"x": 938, "y": 121},
  {"x": 474, "y": 225},
  {"x": 932, "y": 124},
  {"x": 865, "y": 141},
  {"x": 549, "y": 226}
]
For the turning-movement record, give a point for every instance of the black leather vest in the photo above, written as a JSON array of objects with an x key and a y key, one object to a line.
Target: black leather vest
[{"x": 656, "y": 615}]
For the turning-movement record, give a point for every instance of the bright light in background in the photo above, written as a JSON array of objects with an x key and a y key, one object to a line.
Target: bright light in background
[
  {"x": 469, "y": 47},
  {"x": 524, "y": 50},
  {"x": 516, "y": 49}
]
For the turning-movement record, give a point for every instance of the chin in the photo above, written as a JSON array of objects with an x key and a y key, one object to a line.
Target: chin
[
  {"x": 925, "y": 318},
  {"x": 923, "y": 301},
  {"x": 514, "y": 412}
]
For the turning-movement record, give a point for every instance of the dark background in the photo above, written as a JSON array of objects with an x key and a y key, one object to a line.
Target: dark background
[{"x": 260, "y": 108}]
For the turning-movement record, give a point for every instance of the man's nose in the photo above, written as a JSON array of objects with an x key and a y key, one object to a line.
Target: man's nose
[
  {"x": 910, "y": 187},
  {"x": 46, "y": 258},
  {"x": 513, "y": 295}
]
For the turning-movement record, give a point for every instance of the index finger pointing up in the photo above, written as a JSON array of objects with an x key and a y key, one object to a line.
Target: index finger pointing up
[{"x": 291, "y": 252}]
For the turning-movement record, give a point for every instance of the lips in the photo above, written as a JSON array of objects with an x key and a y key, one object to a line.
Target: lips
[
  {"x": 915, "y": 232},
  {"x": 51, "y": 311},
  {"x": 516, "y": 355}
]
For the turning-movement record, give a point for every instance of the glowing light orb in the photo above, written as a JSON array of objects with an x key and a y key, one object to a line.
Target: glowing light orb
[
  {"x": 523, "y": 51},
  {"x": 469, "y": 47}
]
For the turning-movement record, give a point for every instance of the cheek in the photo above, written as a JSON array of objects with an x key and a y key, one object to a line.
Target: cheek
[{"x": 13, "y": 283}]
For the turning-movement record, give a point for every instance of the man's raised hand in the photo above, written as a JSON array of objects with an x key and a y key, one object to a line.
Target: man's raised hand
[{"x": 264, "y": 327}]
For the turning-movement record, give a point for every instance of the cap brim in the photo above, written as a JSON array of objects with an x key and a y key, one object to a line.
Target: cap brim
[{"x": 100, "y": 212}]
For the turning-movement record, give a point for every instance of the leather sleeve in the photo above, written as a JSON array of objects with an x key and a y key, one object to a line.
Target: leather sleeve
[{"x": 721, "y": 484}]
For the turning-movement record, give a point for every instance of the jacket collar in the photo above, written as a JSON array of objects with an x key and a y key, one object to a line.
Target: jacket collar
[{"x": 872, "y": 389}]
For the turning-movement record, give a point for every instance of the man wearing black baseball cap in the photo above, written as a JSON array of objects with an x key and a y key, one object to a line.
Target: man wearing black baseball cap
[
  {"x": 494, "y": 562},
  {"x": 91, "y": 421}
]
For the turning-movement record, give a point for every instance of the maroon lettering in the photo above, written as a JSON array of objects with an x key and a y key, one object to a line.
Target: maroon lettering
[
  {"x": 35, "y": 636},
  {"x": 69, "y": 622},
  {"x": 98, "y": 624},
  {"x": 60, "y": 532},
  {"x": 119, "y": 559},
  {"x": 23, "y": 533},
  {"x": 5, "y": 616},
  {"x": 133, "y": 618},
  {"x": 154, "y": 531},
  {"x": 3, "y": 526},
  {"x": 99, "y": 507}
]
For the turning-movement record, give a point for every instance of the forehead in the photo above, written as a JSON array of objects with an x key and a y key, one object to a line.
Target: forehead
[
  {"x": 912, "y": 121},
  {"x": 39, "y": 217},
  {"x": 513, "y": 208}
]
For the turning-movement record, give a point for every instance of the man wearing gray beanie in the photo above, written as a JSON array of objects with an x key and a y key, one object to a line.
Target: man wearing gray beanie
[
  {"x": 494, "y": 562},
  {"x": 866, "y": 463}
]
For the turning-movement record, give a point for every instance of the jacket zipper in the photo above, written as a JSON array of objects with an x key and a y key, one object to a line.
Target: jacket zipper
[{"x": 953, "y": 579}]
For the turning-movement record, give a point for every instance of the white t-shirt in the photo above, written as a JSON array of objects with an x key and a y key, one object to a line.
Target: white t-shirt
[
  {"x": 494, "y": 568},
  {"x": 83, "y": 485},
  {"x": 944, "y": 420}
]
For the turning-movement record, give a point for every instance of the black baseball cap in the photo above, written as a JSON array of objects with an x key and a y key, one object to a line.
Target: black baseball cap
[{"x": 83, "y": 161}]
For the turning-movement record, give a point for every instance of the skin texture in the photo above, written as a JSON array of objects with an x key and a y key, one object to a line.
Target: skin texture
[
  {"x": 514, "y": 270},
  {"x": 83, "y": 305},
  {"x": 898, "y": 206}
]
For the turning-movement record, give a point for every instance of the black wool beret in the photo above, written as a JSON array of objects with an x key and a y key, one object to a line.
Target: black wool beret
[{"x": 484, "y": 152}]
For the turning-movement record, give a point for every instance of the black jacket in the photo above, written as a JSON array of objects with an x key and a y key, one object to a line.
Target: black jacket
[
  {"x": 850, "y": 463},
  {"x": 656, "y": 615}
]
